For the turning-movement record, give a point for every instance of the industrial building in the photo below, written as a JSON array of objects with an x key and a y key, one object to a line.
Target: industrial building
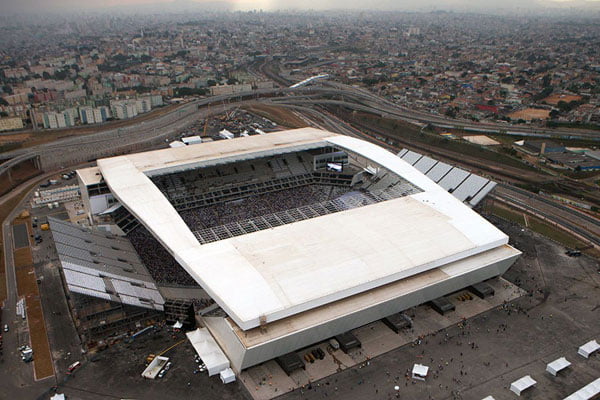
[{"x": 298, "y": 236}]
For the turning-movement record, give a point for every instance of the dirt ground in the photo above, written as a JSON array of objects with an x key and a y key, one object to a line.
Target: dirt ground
[
  {"x": 555, "y": 98},
  {"x": 279, "y": 115},
  {"x": 16, "y": 138},
  {"x": 27, "y": 287},
  {"x": 31, "y": 138},
  {"x": 530, "y": 113},
  {"x": 19, "y": 173}
]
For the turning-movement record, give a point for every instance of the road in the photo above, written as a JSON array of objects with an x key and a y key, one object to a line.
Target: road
[
  {"x": 15, "y": 376},
  {"x": 576, "y": 222},
  {"x": 266, "y": 68},
  {"x": 325, "y": 94}
]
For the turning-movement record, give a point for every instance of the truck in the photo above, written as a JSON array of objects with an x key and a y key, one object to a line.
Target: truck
[
  {"x": 154, "y": 368},
  {"x": 73, "y": 367}
]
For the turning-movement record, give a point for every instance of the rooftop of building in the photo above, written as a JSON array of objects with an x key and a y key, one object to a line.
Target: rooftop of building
[{"x": 272, "y": 274}]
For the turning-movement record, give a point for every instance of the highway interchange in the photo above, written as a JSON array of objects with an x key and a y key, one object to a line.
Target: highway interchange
[{"x": 311, "y": 104}]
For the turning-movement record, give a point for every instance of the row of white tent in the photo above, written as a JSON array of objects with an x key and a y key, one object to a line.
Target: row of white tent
[{"x": 586, "y": 393}]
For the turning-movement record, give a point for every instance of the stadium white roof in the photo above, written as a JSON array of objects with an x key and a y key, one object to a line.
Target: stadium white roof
[
  {"x": 463, "y": 185},
  {"x": 103, "y": 266},
  {"x": 272, "y": 274}
]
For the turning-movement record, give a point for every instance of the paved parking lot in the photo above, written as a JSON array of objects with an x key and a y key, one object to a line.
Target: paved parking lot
[
  {"x": 20, "y": 235},
  {"x": 481, "y": 358},
  {"x": 268, "y": 380},
  {"x": 468, "y": 360}
]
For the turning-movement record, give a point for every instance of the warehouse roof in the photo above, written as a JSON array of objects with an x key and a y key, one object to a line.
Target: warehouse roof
[{"x": 272, "y": 274}]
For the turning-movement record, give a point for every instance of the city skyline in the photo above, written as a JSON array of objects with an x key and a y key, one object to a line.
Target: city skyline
[{"x": 35, "y": 6}]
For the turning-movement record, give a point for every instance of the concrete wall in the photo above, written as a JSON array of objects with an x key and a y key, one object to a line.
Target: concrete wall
[{"x": 242, "y": 358}]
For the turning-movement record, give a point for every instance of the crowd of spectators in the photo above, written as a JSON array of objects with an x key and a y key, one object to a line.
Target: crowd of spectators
[
  {"x": 259, "y": 205},
  {"x": 161, "y": 265}
]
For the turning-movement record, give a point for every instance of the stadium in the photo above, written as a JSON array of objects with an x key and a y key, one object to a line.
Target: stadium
[{"x": 297, "y": 236}]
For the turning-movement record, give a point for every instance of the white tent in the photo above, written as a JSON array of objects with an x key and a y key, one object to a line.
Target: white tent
[
  {"x": 587, "y": 349},
  {"x": 419, "y": 371},
  {"x": 176, "y": 143},
  {"x": 208, "y": 350},
  {"x": 227, "y": 375},
  {"x": 587, "y": 392},
  {"x": 177, "y": 325},
  {"x": 557, "y": 365},
  {"x": 191, "y": 140},
  {"x": 522, "y": 384}
]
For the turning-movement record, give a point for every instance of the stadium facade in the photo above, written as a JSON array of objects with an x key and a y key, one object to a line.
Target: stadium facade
[{"x": 383, "y": 237}]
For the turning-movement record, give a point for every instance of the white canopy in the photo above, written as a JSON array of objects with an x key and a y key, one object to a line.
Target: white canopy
[
  {"x": 557, "y": 365},
  {"x": 419, "y": 371},
  {"x": 587, "y": 349},
  {"x": 522, "y": 384},
  {"x": 208, "y": 350},
  {"x": 227, "y": 375},
  {"x": 177, "y": 325},
  {"x": 587, "y": 392}
]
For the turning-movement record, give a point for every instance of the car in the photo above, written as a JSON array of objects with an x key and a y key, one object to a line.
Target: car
[
  {"x": 5, "y": 327},
  {"x": 74, "y": 366},
  {"x": 162, "y": 373}
]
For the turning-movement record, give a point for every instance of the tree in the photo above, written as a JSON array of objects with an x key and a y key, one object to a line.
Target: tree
[
  {"x": 451, "y": 112},
  {"x": 546, "y": 81}
]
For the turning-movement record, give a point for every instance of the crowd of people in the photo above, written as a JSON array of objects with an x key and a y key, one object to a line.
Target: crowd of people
[
  {"x": 259, "y": 205},
  {"x": 162, "y": 266}
]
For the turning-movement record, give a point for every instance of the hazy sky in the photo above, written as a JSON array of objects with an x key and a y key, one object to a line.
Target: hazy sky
[{"x": 76, "y": 5}]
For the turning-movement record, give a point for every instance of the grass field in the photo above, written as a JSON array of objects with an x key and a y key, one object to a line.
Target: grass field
[
  {"x": 543, "y": 228},
  {"x": 507, "y": 214},
  {"x": 27, "y": 287}
]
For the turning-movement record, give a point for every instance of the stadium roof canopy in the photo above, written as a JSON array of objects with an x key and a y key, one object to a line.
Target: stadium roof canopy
[
  {"x": 103, "y": 266},
  {"x": 272, "y": 274}
]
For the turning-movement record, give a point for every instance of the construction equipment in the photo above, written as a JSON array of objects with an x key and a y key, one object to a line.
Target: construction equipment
[{"x": 153, "y": 356}]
